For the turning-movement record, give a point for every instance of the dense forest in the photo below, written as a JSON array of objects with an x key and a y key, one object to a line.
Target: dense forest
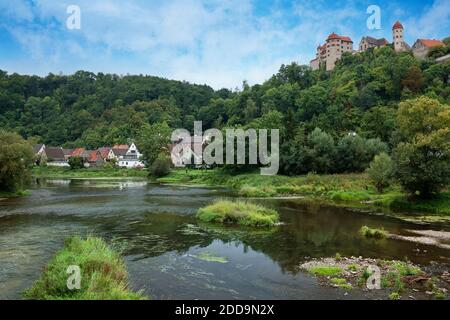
[{"x": 330, "y": 122}]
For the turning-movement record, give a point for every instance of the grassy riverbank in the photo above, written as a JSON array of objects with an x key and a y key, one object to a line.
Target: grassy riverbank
[
  {"x": 88, "y": 173},
  {"x": 103, "y": 274},
  {"x": 345, "y": 189}
]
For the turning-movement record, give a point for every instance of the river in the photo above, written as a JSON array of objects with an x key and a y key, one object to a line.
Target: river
[{"x": 164, "y": 247}]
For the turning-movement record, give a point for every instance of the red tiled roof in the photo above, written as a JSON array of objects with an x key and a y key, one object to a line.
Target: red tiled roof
[
  {"x": 94, "y": 156},
  {"x": 431, "y": 42},
  {"x": 77, "y": 152},
  {"x": 335, "y": 36},
  {"x": 397, "y": 25},
  {"x": 104, "y": 152}
]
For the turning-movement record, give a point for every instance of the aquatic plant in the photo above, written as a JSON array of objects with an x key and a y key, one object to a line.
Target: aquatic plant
[
  {"x": 372, "y": 233},
  {"x": 238, "y": 212}
]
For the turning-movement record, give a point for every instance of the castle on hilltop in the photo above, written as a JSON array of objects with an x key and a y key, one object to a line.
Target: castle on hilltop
[{"x": 335, "y": 46}]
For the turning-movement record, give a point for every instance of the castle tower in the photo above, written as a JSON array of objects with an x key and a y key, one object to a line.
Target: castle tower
[
  {"x": 398, "y": 35},
  {"x": 336, "y": 46}
]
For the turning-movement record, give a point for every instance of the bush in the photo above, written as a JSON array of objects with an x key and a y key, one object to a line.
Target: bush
[
  {"x": 242, "y": 213},
  {"x": 16, "y": 158},
  {"x": 381, "y": 171},
  {"x": 103, "y": 274},
  {"x": 161, "y": 166},
  {"x": 76, "y": 163},
  {"x": 373, "y": 233}
]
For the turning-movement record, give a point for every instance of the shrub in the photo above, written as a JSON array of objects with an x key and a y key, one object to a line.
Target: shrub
[
  {"x": 76, "y": 163},
  {"x": 242, "y": 213},
  {"x": 380, "y": 171},
  {"x": 103, "y": 274},
  {"x": 161, "y": 166},
  {"x": 373, "y": 233}
]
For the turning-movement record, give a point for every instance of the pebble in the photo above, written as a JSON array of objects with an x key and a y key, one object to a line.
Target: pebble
[{"x": 412, "y": 298}]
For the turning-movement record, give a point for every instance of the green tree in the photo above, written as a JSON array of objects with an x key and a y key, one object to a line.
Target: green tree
[
  {"x": 76, "y": 163},
  {"x": 16, "y": 158},
  {"x": 321, "y": 152},
  {"x": 152, "y": 140},
  {"x": 422, "y": 159},
  {"x": 161, "y": 166},
  {"x": 381, "y": 171}
]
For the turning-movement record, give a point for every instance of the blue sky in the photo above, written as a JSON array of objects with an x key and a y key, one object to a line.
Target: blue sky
[{"x": 220, "y": 43}]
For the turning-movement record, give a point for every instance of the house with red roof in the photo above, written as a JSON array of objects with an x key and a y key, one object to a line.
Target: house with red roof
[{"x": 422, "y": 47}]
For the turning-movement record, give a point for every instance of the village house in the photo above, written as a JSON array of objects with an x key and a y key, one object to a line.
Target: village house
[
  {"x": 55, "y": 157},
  {"x": 124, "y": 155},
  {"x": 186, "y": 154}
]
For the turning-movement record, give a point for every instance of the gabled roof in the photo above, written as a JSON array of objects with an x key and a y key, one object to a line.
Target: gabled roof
[
  {"x": 56, "y": 154},
  {"x": 37, "y": 147},
  {"x": 104, "y": 152},
  {"x": 397, "y": 25},
  {"x": 119, "y": 152},
  {"x": 431, "y": 42},
  {"x": 86, "y": 154},
  {"x": 77, "y": 152},
  {"x": 94, "y": 156},
  {"x": 376, "y": 42}
]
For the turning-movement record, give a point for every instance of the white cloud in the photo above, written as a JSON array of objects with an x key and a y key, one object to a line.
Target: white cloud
[
  {"x": 432, "y": 23},
  {"x": 220, "y": 43}
]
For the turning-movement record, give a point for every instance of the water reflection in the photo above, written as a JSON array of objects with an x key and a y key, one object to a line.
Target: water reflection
[{"x": 155, "y": 228}]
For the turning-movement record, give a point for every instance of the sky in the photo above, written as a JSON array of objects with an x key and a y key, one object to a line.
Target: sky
[{"x": 216, "y": 42}]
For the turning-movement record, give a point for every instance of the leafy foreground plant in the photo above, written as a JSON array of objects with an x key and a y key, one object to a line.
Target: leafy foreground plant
[
  {"x": 103, "y": 274},
  {"x": 239, "y": 212}
]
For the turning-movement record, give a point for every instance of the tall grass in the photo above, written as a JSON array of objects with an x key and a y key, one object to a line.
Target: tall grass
[
  {"x": 240, "y": 213},
  {"x": 103, "y": 274}
]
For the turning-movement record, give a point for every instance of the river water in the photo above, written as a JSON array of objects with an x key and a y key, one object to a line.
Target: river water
[{"x": 164, "y": 246}]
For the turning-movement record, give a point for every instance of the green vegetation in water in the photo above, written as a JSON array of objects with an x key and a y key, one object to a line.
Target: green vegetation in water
[
  {"x": 15, "y": 194},
  {"x": 103, "y": 274},
  {"x": 88, "y": 173},
  {"x": 326, "y": 271},
  {"x": 373, "y": 233},
  {"x": 346, "y": 189},
  {"x": 341, "y": 283},
  {"x": 394, "y": 296},
  {"x": 206, "y": 256},
  {"x": 239, "y": 213}
]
